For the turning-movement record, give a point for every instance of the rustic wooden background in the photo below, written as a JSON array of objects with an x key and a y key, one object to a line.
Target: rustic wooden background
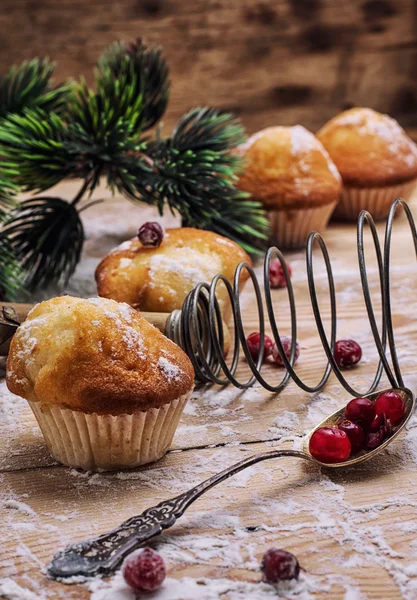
[{"x": 269, "y": 61}]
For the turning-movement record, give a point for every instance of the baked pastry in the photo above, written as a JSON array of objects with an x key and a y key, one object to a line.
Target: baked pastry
[
  {"x": 106, "y": 387},
  {"x": 159, "y": 279},
  {"x": 289, "y": 171},
  {"x": 376, "y": 159}
]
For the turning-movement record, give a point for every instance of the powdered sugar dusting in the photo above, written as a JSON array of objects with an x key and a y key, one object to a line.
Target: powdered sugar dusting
[
  {"x": 172, "y": 372},
  {"x": 369, "y": 123},
  {"x": 303, "y": 142}
]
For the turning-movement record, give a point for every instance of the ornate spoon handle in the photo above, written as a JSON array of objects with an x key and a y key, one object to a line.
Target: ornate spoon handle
[{"x": 103, "y": 554}]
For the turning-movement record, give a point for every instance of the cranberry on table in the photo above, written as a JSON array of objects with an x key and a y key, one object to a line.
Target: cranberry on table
[
  {"x": 254, "y": 341},
  {"x": 347, "y": 353},
  {"x": 286, "y": 344},
  {"x": 151, "y": 234},
  {"x": 355, "y": 434},
  {"x": 278, "y": 565},
  {"x": 144, "y": 570},
  {"x": 361, "y": 411},
  {"x": 392, "y": 404},
  {"x": 276, "y": 274},
  {"x": 330, "y": 445}
]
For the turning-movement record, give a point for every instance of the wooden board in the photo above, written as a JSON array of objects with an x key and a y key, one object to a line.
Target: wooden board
[
  {"x": 352, "y": 531},
  {"x": 269, "y": 61}
]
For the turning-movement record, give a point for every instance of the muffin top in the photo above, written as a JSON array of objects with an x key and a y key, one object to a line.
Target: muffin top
[
  {"x": 159, "y": 279},
  {"x": 369, "y": 148},
  {"x": 287, "y": 167},
  {"x": 97, "y": 356}
]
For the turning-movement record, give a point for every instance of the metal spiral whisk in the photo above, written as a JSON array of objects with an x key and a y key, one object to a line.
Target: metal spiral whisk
[{"x": 198, "y": 328}]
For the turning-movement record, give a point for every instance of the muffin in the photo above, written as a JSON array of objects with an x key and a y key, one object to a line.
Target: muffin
[
  {"x": 376, "y": 159},
  {"x": 159, "y": 279},
  {"x": 106, "y": 387},
  {"x": 289, "y": 171}
]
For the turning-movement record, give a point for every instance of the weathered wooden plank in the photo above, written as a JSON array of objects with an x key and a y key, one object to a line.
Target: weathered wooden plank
[
  {"x": 350, "y": 530},
  {"x": 270, "y": 61}
]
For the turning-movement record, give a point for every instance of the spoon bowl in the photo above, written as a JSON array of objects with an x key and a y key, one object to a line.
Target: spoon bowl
[{"x": 338, "y": 416}]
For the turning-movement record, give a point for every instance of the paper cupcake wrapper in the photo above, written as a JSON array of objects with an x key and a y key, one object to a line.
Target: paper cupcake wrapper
[
  {"x": 107, "y": 442},
  {"x": 290, "y": 228},
  {"x": 377, "y": 201}
]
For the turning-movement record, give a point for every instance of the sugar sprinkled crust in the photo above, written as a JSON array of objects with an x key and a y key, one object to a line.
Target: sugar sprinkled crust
[
  {"x": 369, "y": 149},
  {"x": 159, "y": 279},
  {"x": 288, "y": 167},
  {"x": 95, "y": 355}
]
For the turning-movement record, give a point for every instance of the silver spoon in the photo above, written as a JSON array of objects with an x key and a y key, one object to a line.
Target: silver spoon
[{"x": 103, "y": 554}]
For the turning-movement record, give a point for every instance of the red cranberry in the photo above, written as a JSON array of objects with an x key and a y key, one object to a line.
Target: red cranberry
[
  {"x": 392, "y": 405},
  {"x": 286, "y": 344},
  {"x": 254, "y": 340},
  {"x": 144, "y": 571},
  {"x": 380, "y": 430},
  {"x": 151, "y": 234},
  {"x": 355, "y": 434},
  {"x": 381, "y": 422},
  {"x": 347, "y": 353},
  {"x": 278, "y": 565},
  {"x": 374, "y": 439},
  {"x": 361, "y": 411},
  {"x": 330, "y": 445},
  {"x": 276, "y": 274}
]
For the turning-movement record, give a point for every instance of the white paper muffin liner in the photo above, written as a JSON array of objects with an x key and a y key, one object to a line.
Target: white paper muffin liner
[
  {"x": 377, "y": 201},
  {"x": 107, "y": 442},
  {"x": 291, "y": 228}
]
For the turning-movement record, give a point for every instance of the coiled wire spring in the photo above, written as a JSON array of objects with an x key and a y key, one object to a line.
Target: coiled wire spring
[{"x": 203, "y": 336}]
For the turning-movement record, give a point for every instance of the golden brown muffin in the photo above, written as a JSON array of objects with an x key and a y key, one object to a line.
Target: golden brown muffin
[
  {"x": 159, "y": 279},
  {"x": 290, "y": 172},
  {"x": 106, "y": 387},
  {"x": 377, "y": 161},
  {"x": 369, "y": 149}
]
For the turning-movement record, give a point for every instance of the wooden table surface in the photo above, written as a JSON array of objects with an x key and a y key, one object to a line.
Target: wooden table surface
[{"x": 353, "y": 531}]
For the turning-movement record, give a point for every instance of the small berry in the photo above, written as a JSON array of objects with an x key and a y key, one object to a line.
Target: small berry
[
  {"x": 330, "y": 445},
  {"x": 276, "y": 274},
  {"x": 144, "y": 571},
  {"x": 286, "y": 344},
  {"x": 355, "y": 434},
  {"x": 381, "y": 422},
  {"x": 254, "y": 341},
  {"x": 361, "y": 411},
  {"x": 151, "y": 234},
  {"x": 374, "y": 440},
  {"x": 392, "y": 405},
  {"x": 278, "y": 565},
  {"x": 347, "y": 353}
]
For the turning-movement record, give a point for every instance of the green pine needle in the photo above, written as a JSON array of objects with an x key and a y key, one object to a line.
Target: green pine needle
[
  {"x": 8, "y": 192},
  {"x": 35, "y": 149},
  {"x": 141, "y": 69},
  {"x": 11, "y": 275},
  {"x": 28, "y": 85}
]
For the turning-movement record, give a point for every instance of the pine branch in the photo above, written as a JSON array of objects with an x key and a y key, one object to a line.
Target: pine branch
[
  {"x": 141, "y": 69},
  {"x": 194, "y": 172},
  {"x": 46, "y": 236},
  {"x": 28, "y": 85}
]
